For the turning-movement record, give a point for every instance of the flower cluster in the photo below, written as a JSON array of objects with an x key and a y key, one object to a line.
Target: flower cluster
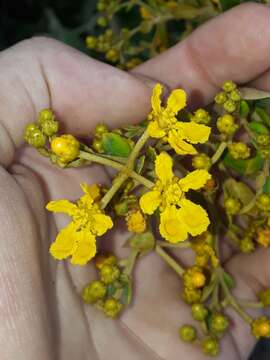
[{"x": 183, "y": 180}]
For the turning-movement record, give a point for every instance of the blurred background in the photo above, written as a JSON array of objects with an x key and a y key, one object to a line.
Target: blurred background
[{"x": 123, "y": 33}]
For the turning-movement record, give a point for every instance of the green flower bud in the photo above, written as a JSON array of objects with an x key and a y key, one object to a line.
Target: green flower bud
[
  {"x": 101, "y": 6},
  {"x": 94, "y": 292},
  {"x": 112, "y": 307},
  {"x": 121, "y": 209},
  {"x": 235, "y": 95},
  {"x": 201, "y": 161},
  {"x": 246, "y": 245},
  {"x": 232, "y": 206},
  {"x": 187, "y": 333},
  {"x": 191, "y": 296},
  {"x": 229, "y": 106},
  {"x": 112, "y": 55},
  {"x": 226, "y": 124},
  {"x": 91, "y": 42},
  {"x": 34, "y": 136},
  {"x": 201, "y": 116},
  {"x": 210, "y": 347},
  {"x": 100, "y": 129},
  {"x": 264, "y": 153},
  {"x": 102, "y": 21},
  {"x": 264, "y": 297},
  {"x": 263, "y": 139},
  {"x": 229, "y": 86},
  {"x": 109, "y": 274},
  {"x": 97, "y": 146},
  {"x": 199, "y": 312},
  {"x": 220, "y": 98},
  {"x": 219, "y": 322},
  {"x": 49, "y": 127},
  {"x": 239, "y": 150},
  {"x": 45, "y": 115},
  {"x": 263, "y": 202}
]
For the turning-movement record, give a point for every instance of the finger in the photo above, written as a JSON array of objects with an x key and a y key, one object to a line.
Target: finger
[
  {"x": 41, "y": 73},
  {"x": 235, "y": 45}
]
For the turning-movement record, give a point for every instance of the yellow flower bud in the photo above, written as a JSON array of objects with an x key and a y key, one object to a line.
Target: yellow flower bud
[
  {"x": 101, "y": 260},
  {"x": 93, "y": 292},
  {"x": 112, "y": 307},
  {"x": 260, "y": 327},
  {"x": 136, "y": 222},
  {"x": 67, "y": 147},
  {"x": 187, "y": 333},
  {"x": 263, "y": 237},
  {"x": 229, "y": 86},
  {"x": 226, "y": 124}
]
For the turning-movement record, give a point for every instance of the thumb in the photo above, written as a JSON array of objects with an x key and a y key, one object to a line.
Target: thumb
[{"x": 41, "y": 73}]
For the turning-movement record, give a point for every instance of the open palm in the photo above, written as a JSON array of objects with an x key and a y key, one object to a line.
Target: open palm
[{"x": 41, "y": 314}]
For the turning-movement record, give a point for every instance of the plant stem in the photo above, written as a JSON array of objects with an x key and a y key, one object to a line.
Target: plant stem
[
  {"x": 231, "y": 300},
  {"x": 119, "y": 180},
  {"x": 181, "y": 245},
  {"x": 250, "y": 304},
  {"x": 137, "y": 148},
  {"x": 131, "y": 262},
  {"x": 169, "y": 260},
  {"x": 217, "y": 155}
]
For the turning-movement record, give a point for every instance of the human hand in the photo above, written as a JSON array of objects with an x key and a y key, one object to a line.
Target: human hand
[{"x": 41, "y": 312}]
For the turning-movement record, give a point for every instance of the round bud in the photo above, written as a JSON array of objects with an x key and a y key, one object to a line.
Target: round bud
[
  {"x": 219, "y": 322},
  {"x": 198, "y": 279},
  {"x": 229, "y": 86},
  {"x": 101, "y": 260},
  {"x": 263, "y": 139},
  {"x": 109, "y": 273},
  {"x": 187, "y": 333},
  {"x": 97, "y": 146},
  {"x": 112, "y": 307},
  {"x": 199, "y": 312},
  {"x": 93, "y": 292},
  {"x": 34, "y": 136},
  {"x": 235, "y": 95},
  {"x": 260, "y": 327},
  {"x": 91, "y": 42},
  {"x": 100, "y": 129},
  {"x": 201, "y": 161},
  {"x": 67, "y": 147},
  {"x": 263, "y": 202},
  {"x": 46, "y": 115},
  {"x": 210, "y": 347},
  {"x": 229, "y": 106},
  {"x": 232, "y": 206},
  {"x": 102, "y": 21},
  {"x": 220, "y": 98},
  {"x": 247, "y": 245},
  {"x": 112, "y": 55},
  {"x": 264, "y": 297},
  {"x": 226, "y": 124},
  {"x": 49, "y": 127},
  {"x": 239, "y": 150}
]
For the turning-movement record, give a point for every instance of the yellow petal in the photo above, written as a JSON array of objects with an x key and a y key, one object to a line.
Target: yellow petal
[
  {"x": 65, "y": 242},
  {"x": 150, "y": 201},
  {"x": 92, "y": 190},
  {"x": 194, "y": 180},
  {"x": 193, "y": 132},
  {"x": 180, "y": 146},
  {"x": 194, "y": 216},
  {"x": 64, "y": 206},
  {"x": 163, "y": 167},
  {"x": 172, "y": 227},
  {"x": 86, "y": 248},
  {"x": 176, "y": 101},
  {"x": 101, "y": 224},
  {"x": 155, "y": 99},
  {"x": 154, "y": 130}
]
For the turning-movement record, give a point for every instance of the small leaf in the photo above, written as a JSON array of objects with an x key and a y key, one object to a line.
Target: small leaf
[
  {"x": 140, "y": 164},
  {"x": 239, "y": 190},
  {"x": 116, "y": 145},
  {"x": 244, "y": 109},
  {"x": 266, "y": 186},
  {"x": 229, "y": 280},
  {"x": 253, "y": 94},
  {"x": 244, "y": 167},
  {"x": 258, "y": 127},
  {"x": 263, "y": 115},
  {"x": 111, "y": 289},
  {"x": 151, "y": 153}
]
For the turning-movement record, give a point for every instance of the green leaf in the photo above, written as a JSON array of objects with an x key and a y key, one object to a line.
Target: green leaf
[
  {"x": 228, "y": 4},
  {"x": 229, "y": 280},
  {"x": 258, "y": 127},
  {"x": 253, "y": 94},
  {"x": 263, "y": 115},
  {"x": 266, "y": 186},
  {"x": 116, "y": 145},
  {"x": 111, "y": 289},
  {"x": 239, "y": 190},
  {"x": 244, "y": 167},
  {"x": 244, "y": 109}
]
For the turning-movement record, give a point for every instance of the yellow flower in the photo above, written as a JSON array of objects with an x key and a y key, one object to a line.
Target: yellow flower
[
  {"x": 67, "y": 147},
  {"x": 179, "y": 216},
  {"x": 78, "y": 239},
  {"x": 136, "y": 222},
  {"x": 164, "y": 124}
]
